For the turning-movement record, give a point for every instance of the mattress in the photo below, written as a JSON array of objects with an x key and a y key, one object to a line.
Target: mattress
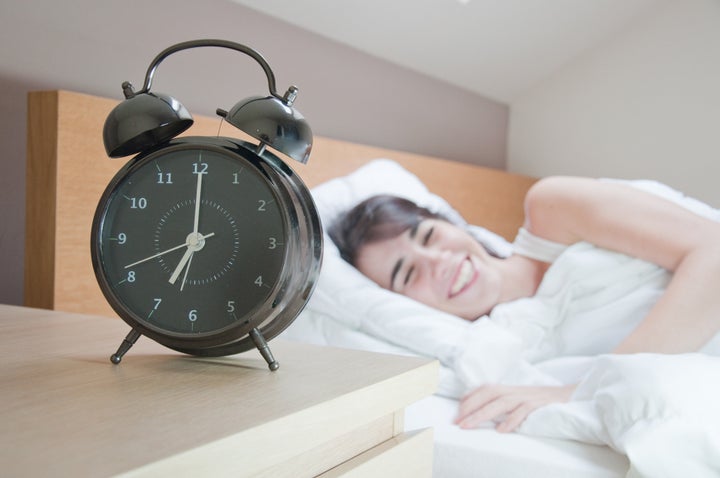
[{"x": 485, "y": 453}]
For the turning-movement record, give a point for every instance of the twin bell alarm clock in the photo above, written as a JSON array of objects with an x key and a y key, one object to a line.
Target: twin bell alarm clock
[{"x": 210, "y": 246}]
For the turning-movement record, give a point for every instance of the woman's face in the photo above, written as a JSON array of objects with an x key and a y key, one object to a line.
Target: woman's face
[{"x": 438, "y": 264}]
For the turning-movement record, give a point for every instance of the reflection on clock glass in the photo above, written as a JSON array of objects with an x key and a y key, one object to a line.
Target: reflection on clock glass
[{"x": 193, "y": 240}]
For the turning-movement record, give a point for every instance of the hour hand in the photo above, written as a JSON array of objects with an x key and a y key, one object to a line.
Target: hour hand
[{"x": 185, "y": 258}]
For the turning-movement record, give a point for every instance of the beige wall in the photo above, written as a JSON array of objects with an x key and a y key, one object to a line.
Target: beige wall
[
  {"x": 646, "y": 104},
  {"x": 92, "y": 46}
]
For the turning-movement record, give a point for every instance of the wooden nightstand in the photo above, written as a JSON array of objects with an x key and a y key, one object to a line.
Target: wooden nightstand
[{"x": 67, "y": 411}]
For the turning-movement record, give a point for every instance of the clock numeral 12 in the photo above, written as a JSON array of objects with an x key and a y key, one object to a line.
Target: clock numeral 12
[{"x": 200, "y": 168}]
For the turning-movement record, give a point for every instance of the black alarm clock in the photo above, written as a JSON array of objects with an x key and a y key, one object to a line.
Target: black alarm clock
[{"x": 208, "y": 245}]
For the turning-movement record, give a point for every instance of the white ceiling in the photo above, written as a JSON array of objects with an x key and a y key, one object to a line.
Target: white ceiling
[{"x": 497, "y": 48}]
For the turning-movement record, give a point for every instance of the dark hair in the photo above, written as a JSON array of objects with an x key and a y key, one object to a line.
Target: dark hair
[{"x": 374, "y": 219}]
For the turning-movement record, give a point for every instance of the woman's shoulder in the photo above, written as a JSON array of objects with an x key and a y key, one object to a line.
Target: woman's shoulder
[{"x": 551, "y": 200}]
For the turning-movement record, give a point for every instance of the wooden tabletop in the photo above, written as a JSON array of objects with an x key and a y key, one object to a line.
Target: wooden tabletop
[{"x": 67, "y": 411}]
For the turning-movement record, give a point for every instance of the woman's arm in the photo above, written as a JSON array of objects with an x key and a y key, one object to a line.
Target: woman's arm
[
  {"x": 640, "y": 224},
  {"x": 630, "y": 221}
]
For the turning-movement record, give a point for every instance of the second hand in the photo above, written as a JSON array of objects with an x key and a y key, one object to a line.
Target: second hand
[{"x": 185, "y": 244}]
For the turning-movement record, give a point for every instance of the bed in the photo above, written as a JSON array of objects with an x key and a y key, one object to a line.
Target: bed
[{"x": 68, "y": 169}]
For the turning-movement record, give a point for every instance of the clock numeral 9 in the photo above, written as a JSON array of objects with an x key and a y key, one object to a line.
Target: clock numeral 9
[{"x": 121, "y": 238}]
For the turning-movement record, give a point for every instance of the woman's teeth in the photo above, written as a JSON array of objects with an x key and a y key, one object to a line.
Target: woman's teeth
[{"x": 463, "y": 277}]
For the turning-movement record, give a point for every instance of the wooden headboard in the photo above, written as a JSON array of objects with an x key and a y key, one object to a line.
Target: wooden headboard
[{"x": 67, "y": 170}]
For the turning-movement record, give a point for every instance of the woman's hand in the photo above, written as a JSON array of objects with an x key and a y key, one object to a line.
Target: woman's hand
[{"x": 508, "y": 405}]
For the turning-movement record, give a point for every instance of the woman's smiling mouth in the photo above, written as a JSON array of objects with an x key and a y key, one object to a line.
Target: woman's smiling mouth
[{"x": 464, "y": 277}]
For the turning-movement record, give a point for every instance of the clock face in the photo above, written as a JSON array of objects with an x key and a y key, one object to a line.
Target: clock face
[{"x": 190, "y": 241}]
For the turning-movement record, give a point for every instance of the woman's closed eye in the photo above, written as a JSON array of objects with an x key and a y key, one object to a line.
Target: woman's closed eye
[
  {"x": 427, "y": 236},
  {"x": 404, "y": 269},
  {"x": 408, "y": 275},
  {"x": 424, "y": 239}
]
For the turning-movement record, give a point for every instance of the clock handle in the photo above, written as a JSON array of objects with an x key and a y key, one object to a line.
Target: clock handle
[
  {"x": 210, "y": 43},
  {"x": 262, "y": 346},
  {"x": 127, "y": 342}
]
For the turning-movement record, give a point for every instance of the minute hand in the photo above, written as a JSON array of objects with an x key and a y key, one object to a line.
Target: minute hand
[{"x": 196, "y": 219}]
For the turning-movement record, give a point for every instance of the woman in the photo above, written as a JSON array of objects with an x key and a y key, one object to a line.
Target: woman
[{"x": 418, "y": 254}]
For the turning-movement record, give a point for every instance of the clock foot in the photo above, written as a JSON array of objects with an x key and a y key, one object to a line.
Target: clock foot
[
  {"x": 127, "y": 342},
  {"x": 262, "y": 346}
]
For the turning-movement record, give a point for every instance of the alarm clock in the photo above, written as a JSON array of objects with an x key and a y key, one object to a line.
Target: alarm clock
[{"x": 210, "y": 246}]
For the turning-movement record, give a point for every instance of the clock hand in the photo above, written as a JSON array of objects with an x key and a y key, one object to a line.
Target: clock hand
[
  {"x": 196, "y": 220},
  {"x": 185, "y": 244},
  {"x": 185, "y": 258},
  {"x": 187, "y": 269},
  {"x": 195, "y": 242}
]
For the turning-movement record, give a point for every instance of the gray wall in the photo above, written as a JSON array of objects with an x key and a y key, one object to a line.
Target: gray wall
[
  {"x": 644, "y": 104},
  {"x": 92, "y": 46}
]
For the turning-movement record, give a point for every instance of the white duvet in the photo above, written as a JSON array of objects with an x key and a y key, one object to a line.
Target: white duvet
[{"x": 662, "y": 411}]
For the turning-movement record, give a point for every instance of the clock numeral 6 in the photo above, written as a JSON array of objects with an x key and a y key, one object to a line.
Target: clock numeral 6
[{"x": 192, "y": 315}]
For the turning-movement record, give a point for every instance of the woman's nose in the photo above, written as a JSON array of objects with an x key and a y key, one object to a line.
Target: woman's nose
[{"x": 436, "y": 261}]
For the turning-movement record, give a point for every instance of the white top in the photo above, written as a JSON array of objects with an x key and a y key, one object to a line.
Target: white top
[{"x": 529, "y": 245}]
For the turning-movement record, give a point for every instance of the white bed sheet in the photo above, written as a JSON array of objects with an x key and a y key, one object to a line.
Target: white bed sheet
[{"x": 485, "y": 453}]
